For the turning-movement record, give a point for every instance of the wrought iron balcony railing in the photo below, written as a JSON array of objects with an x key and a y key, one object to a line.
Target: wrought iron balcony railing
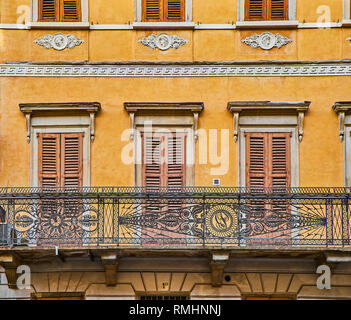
[{"x": 190, "y": 217}]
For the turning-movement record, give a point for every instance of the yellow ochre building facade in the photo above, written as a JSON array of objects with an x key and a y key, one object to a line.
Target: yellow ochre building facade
[{"x": 175, "y": 149}]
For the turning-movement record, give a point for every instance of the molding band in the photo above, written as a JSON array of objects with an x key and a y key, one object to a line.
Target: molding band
[{"x": 312, "y": 69}]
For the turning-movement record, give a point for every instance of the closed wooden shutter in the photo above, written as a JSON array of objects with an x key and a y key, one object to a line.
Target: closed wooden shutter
[
  {"x": 60, "y": 159},
  {"x": 152, "y": 161},
  {"x": 72, "y": 159},
  {"x": 152, "y": 10},
  {"x": 49, "y": 160},
  {"x": 280, "y": 160},
  {"x": 266, "y": 10},
  {"x": 255, "y": 9},
  {"x": 49, "y": 10},
  {"x": 278, "y": 10},
  {"x": 70, "y": 10},
  {"x": 174, "y": 10},
  {"x": 268, "y": 159},
  {"x": 59, "y": 10},
  {"x": 267, "y": 165},
  {"x": 164, "y": 160},
  {"x": 256, "y": 160},
  {"x": 163, "y": 10}
]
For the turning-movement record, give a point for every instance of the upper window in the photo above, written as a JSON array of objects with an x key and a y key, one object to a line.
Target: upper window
[
  {"x": 59, "y": 11},
  {"x": 163, "y": 10},
  {"x": 266, "y": 10}
]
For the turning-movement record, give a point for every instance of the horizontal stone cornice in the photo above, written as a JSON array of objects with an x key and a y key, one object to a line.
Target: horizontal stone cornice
[
  {"x": 162, "y": 106},
  {"x": 64, "y": 106},
  {"x": 238, "y": 106}
]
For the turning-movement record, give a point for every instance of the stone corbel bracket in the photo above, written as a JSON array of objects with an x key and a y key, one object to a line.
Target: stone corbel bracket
[
  {"x": 134, "y": 108},
  {"x": 32, "y": 109},
  {"x": 10, "y": 262},
  {"x": 217, "y": 264},
  {"x": 239, "y": 107},
  {"x": 110, "y": 262},
  {"x": 342, "y": 108}
]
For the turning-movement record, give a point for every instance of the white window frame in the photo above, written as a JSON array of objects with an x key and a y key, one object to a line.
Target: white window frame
[
  {"x": 346, "y": 18},
  {"x": 268, "y": 116},
  {"x": 343, "y": 110},
  {"x": 84, "y": 23},
  {"x": 184, "y": 122},
  {"x": 186, "y": 24},
  {"x": 73, "y": 124},
  {"x": 291, "y": 22}
]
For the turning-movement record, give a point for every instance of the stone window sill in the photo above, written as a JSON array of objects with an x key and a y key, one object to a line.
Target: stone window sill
[
  {"x": 59, "y": 25},
  {"x": 266, "y": 24},
  {"x": 163, "y": 25}
]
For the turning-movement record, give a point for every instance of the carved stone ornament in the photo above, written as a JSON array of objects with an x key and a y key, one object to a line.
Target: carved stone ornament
[
  {"x": 163, "y": 41},
  {"x": 266, "y": 41},
  {"x": 59, "y": 41}
]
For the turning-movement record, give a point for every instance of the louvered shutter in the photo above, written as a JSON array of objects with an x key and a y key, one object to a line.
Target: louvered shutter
[
  {"x": 49, "y": 10},
  {"x": 70, "y": 10},
  {"x": 256, "y": 160},
  {"x": 277, "y": 10},
  {"x": 72, "y": 159},
  {"x": 175, "y": 160},
  {"x": 280, "y": 160},
  {"x": 152, "y": 161},
  {"x": 174, "y": 10},
  {"x": 255, "y": 9},
  {"x": 175, "y": 166},
  {"x": 49, "y": 159},
  {"x": 152, "y": 10}
]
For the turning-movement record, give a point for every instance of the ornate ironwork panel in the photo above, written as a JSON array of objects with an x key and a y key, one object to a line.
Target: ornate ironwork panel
[{"x": 182, "y": 217}]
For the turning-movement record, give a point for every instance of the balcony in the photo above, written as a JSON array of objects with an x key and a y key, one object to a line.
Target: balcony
[{"x": 175, "y": 218}]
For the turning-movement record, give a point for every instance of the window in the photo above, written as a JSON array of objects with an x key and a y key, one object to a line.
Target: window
[
  {"x": 163, "y": 10},
  {"x": 266, "y": 10},
  {"x": 60, "y": 159},
  {"x": 268, "y": 159},
  {"x": 266, "y": 13},
  {"x": 59, "y": 11}
]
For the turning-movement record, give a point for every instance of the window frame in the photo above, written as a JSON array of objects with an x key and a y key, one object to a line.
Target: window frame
[
  {"x": 346, "y": 13},
  {"x": 84, "y": 23},
  {"x": 45, "y": 125},
  {"x": 187, "y": 23},
  {"x": 290, "y": 22}
]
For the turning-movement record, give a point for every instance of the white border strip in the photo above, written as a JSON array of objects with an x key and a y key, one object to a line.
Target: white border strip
[
  {"x": 201, "y": 26},
  {"x": 160, "y": 70}
]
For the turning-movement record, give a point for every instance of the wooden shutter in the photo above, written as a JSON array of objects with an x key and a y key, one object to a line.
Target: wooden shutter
[
  {"x": 152, "y": 173},
  {"x": 72, "y": 159},
  {"x": 277, "y": 10},
  {"x": 49, "y": 159},
  {"x": 280, "y": 160},
  {"x": 175, "y": 175},
  {"x": 70, "y": 11},
  {"x": 255, "y": 10},
  {"x": 174, "y": 10},
  {"x": 266, "y": 10},
  {"x": 268, "y": 159},
  {"x": 152, "y": 10},
  {"x": 256, "y": 160},
  {"x": 49, "y": 10},
  {"x": 60, "y": 159}
]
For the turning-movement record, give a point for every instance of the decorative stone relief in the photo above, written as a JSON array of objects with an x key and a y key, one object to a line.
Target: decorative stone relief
[
  {"x": 266, "y": 41},
  {"x": 163, "y": 41},
  {"x": 314, "y": 69},
  {"x": 59, "y": 41}
]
